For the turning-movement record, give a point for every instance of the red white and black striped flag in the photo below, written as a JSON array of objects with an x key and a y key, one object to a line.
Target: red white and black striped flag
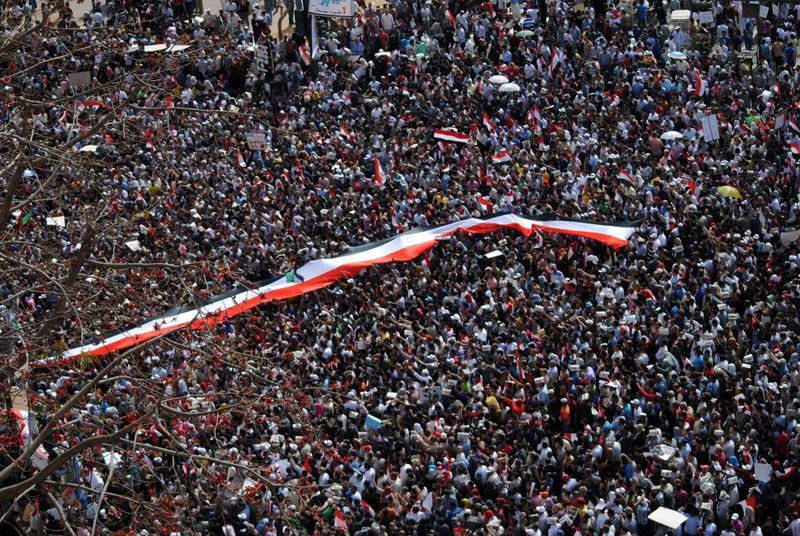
[
  {"x": 450, "y": 135},
  {"x": 320, "y": 273},
  {"x": 380, "y": 176},
  {"x": 488, "y": 123},
  {"x": 501, "y": 157}
]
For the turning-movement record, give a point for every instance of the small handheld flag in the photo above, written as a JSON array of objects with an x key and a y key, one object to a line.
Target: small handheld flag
[
  {"x": 450, "y": 135},
  {"x": 501, "y": 158},
  {"x": 488, "y": 123},
  {"x": 380, "y": 176}
]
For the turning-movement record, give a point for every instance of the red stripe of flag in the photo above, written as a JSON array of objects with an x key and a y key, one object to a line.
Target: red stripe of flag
[{"x": 794, "y": 148}]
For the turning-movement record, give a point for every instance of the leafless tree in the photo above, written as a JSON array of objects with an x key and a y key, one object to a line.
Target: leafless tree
[{"x": 60, "y": 287}]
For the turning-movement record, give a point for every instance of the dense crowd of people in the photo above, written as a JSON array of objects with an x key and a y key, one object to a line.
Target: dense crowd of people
[{"x": 559, "y": 388}]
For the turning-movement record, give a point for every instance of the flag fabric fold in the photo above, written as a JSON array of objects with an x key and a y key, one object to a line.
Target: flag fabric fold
[{"x": 321, "y": 273}]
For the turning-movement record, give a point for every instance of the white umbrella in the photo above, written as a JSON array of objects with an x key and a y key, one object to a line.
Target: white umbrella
[
  {"x": 675, "y": 55},
  {"x": 509, "y": 88},
  {"x": 498, "y": 79},
  {"x": 671, "y": 135}
]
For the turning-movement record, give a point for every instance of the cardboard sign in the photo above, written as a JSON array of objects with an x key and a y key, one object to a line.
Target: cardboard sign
[{"x": 81, "y": 79}]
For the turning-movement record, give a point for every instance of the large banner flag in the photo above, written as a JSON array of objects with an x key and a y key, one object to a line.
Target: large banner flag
[{"x": 320, "y": 273}]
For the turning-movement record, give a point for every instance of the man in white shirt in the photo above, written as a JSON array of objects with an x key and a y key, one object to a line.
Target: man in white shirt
[{"x": 387, "y": 20}]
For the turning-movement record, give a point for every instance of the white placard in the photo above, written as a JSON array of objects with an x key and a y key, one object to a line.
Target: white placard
[
  {"x": 710, "y": 127},
  {"x": 56, "y": 221},
  {"x": 763, "y": 11},
  {"x": 705, "y": 17},
  {"x": 88, "y": 149},
  {"x": 763, "y": 472},
  {"x": 133, "y": 245},
  {"x": 255, "y": 141},
  {"x": 331, "y": 8},
  {"x": 666, "y": 516},
  {"x": 493, "y": 254},
  {"x": 663, "y": 452},
  {"x": 780, "y": 121},
  {"x": 155, "y": 48}
]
